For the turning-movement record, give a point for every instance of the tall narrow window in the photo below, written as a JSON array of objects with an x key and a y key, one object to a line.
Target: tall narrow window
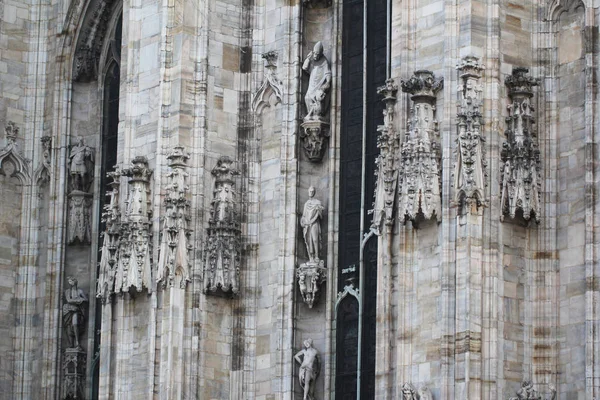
[
  {"x": 110, "y": 127},
  {"x": 359, "y": 101}
]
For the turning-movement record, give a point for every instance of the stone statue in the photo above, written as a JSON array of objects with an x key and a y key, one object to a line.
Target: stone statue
[
  {"x": 527, "y": 392},
  {"x": 74, "y": 312},
  {"x": 317, "y": 94},
  {"x": 81, "y": 163},
  {"x": 311, "y": 225},
  {"x": 308, "y": 358}
]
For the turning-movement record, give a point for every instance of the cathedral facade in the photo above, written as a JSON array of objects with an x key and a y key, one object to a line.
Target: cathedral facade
[{"x": 299, "y": 199}]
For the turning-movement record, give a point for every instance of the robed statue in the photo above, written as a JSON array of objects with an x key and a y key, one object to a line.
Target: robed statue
[
  {"x": 308, "y": 358},
  {"x": 317, "y": 94},
  {"x": 311, "y": 225},
  {"x": 74, "y": 312}
]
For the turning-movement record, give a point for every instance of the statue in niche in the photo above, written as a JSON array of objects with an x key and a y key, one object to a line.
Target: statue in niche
[
  {"x": 317, "y": 94},
  {"x": 81, "y": 163},
  {"x": 527, "y": 392},
  {"x": 74, "y": 312},
  {"x": 308, "y": 358},
  {"x": 311, "y": 225}
]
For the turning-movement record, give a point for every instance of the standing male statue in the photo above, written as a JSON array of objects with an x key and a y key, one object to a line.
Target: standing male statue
[
  {"x": 317, "y": 94},
  {"x": 309, "y": 369},
  {"x": 311, "y": 225},
  {"x": 74, "y": 312},
  {"x": 81, "y": 161}
]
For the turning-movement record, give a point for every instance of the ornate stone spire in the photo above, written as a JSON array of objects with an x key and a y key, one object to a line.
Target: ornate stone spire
[
  {"x": 419, "y": 178},
  {"x": 470, "y": 174},
  {"x": 521, "y": 179},
  {"x": 223, "y": 242},
  {"x": 174, "y": 258}
]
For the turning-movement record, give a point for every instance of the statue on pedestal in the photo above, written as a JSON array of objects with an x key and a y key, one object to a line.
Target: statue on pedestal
[
  {"x": 311, "y": 225},
  {"x": 81, "y": 163},
  {"x": 308, "y": 358},
  {"x": 74, "y": 312}
]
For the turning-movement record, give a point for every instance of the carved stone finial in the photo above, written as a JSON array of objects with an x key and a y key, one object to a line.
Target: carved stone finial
[
  {"x": 470, "y": 170},
  {"x": 223, "y": 244},
  {"x": 310, "y": 366},
  {"x": 12, "y": 131},
  {"x": 521, "y": 179},
  {"x": 174, "y": 252},
  {"x": 270, "y": 58},
  {"x": 419, "y": 175}
]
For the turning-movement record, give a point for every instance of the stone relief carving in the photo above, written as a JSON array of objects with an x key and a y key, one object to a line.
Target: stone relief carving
[
  {"x": 12, "y": 162},
  {"x": 81, "y": 167},
  {"x": 521, "y": 180},
  {"x": 74, "y": 357},
  {"x": 271, "y": 86},
  {"x": 526, "y": 392},
  {"x": 223, "y": 243},
  {"x": 43, "y": 171},
  {"x": 419, "y": 182},
  {"x": 409, "y": 393},
  {"x": 312, "y": 273},
  {"x": 174, "y": 258},
  {"x": 308, "y": 358},
  {"x": 126, "y": 259},
  {"x": 470, "y": 170},
  {"x": 315, "y": 128},
  {"x": 387, "y": 162}
]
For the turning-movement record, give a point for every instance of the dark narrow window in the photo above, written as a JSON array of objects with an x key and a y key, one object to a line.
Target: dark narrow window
[
  {"x": 354, "y": 83},
  {"x": 110, "y": 127}
]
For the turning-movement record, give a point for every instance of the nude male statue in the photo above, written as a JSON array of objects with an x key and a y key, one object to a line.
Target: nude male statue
[{"x": 309, "y": 368}]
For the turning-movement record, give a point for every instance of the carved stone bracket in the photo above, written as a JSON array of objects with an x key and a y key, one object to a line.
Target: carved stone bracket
[
  {"x": 271, "y": 86},
  {"x": 521, "y": 179},
  {"x": 314, "y": 136},
  {"x": 526, "y": 392},
  {"x": 409, "y": 393},
  {"x": 12, "y": 162},
  {"x": 310, "y": 277},
  {"x": 174, "y": 258},
  {"x": 470, "y": 170},
  {"x": 419, "y": 176},
  {"x": 126, "y": 259},
  {"x": 73, "y": 365},
  {"x": 387, "y": 163},
  {"x": 223, "y": 243}
]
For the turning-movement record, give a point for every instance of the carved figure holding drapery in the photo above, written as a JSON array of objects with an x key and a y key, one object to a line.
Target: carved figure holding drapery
[
  {"x": 311, "y": 225},
  {"x": 81, "y": 163},
  {"x": 319, "y": 84}
]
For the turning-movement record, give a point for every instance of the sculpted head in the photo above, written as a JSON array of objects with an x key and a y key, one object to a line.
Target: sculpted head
[
  {"x": 317, "y": 51},
  {"x": 311, "y": 192},
  {"x": 308, "y": 343},
  {"x": 72, "y": 281}
]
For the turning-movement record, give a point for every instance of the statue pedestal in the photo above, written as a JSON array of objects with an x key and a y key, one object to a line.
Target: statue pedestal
[
  {"x": 79, "y": 228},
  {"x": 314, "y": 136},
  {"x": 74, "y": 360},
  {"x": 310, "y": 277}
]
